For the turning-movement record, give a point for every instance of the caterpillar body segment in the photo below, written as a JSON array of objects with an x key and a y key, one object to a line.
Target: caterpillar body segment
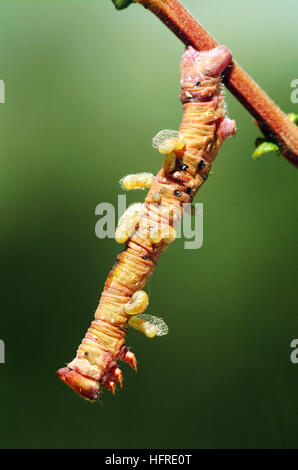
[
  {"x": 156, "y": 198},
  {"x": 203, "y": 129}
]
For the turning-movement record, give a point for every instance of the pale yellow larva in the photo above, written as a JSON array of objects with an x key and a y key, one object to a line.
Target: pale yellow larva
[
  {"x": 150, "y": 325},
  {"x": 169, "y": 162},
  {"x": 171, "y": 145},
  {"x": 127, "y": 222},
  {"x": 137, "y": 181},
  {"x": 138, "y": 304}
]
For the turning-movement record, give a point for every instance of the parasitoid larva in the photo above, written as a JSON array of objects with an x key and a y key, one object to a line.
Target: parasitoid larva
[
  {"x": 171, "y": 145},
  {"x": 138, "y": 303},
  {"x": 150, "y": 325},
  {"x": 137, "y": 181},
  {"x": 127, "y": 222},
  {"x": 163, "y": 135}
]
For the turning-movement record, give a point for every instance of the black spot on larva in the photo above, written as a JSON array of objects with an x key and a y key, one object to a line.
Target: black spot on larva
[
  {"x": 201, "y": 165},
  {"x": 86, "y": 354},
  {"x": 183, "y": 167},
  {"x": 177, "y": 193},
  {"x": 145, "y": 257},
  {"x": 205, "y": 176},
  {"x": 188, "y": 191}
]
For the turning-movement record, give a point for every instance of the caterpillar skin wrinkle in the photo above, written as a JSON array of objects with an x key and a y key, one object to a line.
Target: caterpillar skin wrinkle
[{"x": 186, "y": 167}]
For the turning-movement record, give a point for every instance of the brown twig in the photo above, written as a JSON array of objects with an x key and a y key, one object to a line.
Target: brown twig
[{"x": 274, "y": 124}]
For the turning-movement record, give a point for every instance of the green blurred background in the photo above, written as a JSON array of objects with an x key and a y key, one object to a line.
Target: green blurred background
[{"x": 86, "y": 90}]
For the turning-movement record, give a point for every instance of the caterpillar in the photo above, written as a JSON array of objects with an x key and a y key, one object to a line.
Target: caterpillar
[{"x": 149, "y": 228}]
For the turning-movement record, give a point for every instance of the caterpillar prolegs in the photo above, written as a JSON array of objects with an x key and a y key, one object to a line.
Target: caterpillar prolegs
[{"x": 188, "y": 158}]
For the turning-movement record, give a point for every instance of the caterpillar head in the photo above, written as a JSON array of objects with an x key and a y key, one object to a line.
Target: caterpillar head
[
  {"x": 197, "y": 67},
  {"x": 86, "y": 388}
]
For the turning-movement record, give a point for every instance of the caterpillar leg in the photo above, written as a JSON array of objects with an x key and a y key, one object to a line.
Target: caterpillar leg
[
  {"x": 110, "y": 385},
  {"x": 130, "y": 358},
  {"x": 117, "y": 373}
]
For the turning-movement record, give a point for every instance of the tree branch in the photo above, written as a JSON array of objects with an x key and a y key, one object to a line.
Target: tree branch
[{"x": 274, "y": 124}]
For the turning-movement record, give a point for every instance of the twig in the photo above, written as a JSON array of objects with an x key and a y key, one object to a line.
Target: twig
[{"x": 274, "y": 124}]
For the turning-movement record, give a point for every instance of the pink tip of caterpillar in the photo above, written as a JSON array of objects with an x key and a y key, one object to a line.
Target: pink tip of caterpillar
[
  {"x": 195, "y": 64},
  {"x": 217, "y": 60},
  {"x": 227, "y": 128}
]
